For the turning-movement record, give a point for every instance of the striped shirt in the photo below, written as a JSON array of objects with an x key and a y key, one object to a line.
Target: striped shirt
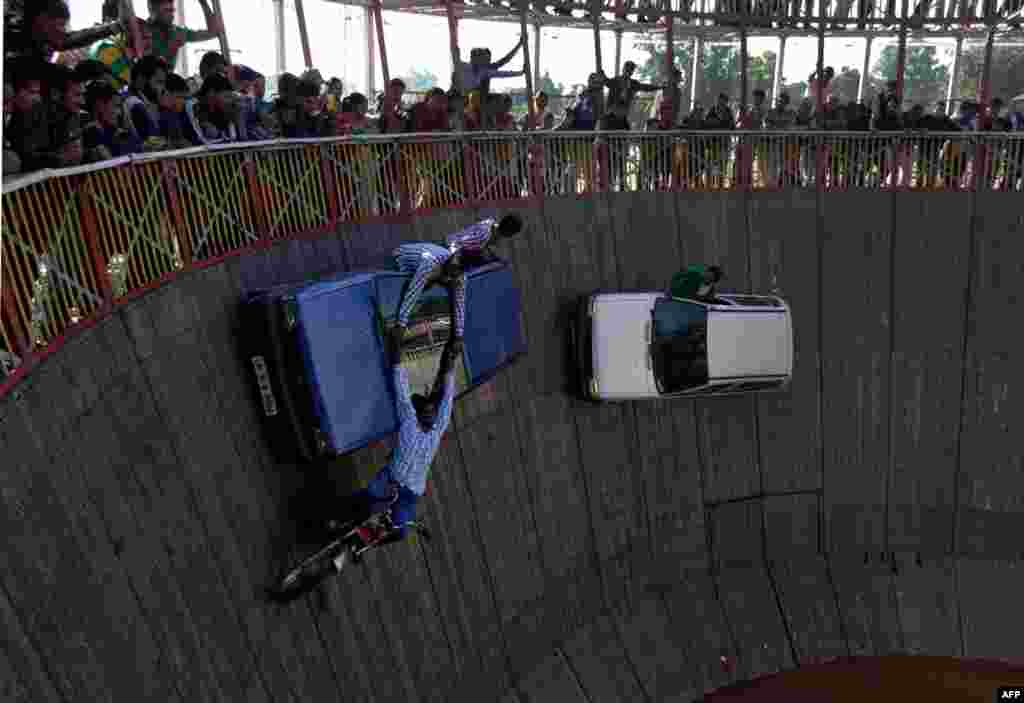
[
  {"x": 473, "y": 238},
  {"x": 411, "y": 460},
  {"x": 423, "y": 262}
]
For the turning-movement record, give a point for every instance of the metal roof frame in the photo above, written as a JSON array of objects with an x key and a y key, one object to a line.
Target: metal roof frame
[{"x": 709, "y": 25}]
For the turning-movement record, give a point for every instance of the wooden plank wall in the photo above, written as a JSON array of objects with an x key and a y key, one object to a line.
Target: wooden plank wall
[{"x": 644, "y": 551}]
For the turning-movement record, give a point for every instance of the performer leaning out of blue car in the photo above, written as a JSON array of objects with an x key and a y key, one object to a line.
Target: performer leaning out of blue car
[{"x": 422, "y": 422}]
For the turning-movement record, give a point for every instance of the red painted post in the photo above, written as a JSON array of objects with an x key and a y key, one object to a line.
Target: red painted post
[
  {"x": 307, "y": 53},
  {"x": 258, "y": 202},
  {"x": 169, "y": 173},
  {"x": 599, "y": 175},
  {"x": 453, "y": 40},
  {"x": 328, "y": 174},
  {"x": 901, "y": 55},
  {"x": 536, "y": 152},
  {"x": 91, "y": 231}
]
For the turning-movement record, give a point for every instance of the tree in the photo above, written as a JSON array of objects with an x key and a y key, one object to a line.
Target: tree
[
  {"x": 924, "y": 78},
  {"x": 549, "y": 86},
  {"x": 653, "y": 68},
  {"x": 419, "y": 81}
]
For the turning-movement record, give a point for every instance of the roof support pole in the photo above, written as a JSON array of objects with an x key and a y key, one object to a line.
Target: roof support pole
[
  {"x": 300, "y": 13},
  {"x": 866, "y": 66},
  {"x": 381, "y": 45},
  {"x": 536, "y": 54},
  {"x": 279, "y": 56},
  {"x": 901, "y": 54},
  {"x": 953, "y": 76},
  {"x": 779, "y": 63},
  {"x": 371, "y": 54},
  {"x": 453, "y": 45}
]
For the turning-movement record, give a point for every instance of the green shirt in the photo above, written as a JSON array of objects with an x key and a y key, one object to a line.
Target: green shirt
[
  {"x": 687, "y": 283},
  {"x": 166, "y": 39}
]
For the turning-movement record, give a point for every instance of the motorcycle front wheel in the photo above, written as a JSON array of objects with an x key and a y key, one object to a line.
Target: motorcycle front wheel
[{"x": 315, "y": 568}]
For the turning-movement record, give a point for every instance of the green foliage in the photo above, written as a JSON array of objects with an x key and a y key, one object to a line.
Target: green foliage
[
  {"x": 922, "y": 65},
  {"x": 924, "y": 78},
  {"x": 653, "y": 68}
]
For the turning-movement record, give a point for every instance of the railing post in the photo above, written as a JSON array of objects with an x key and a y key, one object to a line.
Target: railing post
[
  {"x": 536, "y": 161},
  {"x": 405, "y": 192},
  {"x": 256, "y": 195},
  {"x": 328, "y": 174},
  {"x": 91, "y": 231},
  {"x": 819, "y": 175},
  {"x": 599, "y": 169},
  {"x": 169, "y": 174},
  {"x": 472, "y": 164}
]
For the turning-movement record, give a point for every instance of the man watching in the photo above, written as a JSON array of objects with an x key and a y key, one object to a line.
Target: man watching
[
  {"x": 104, "y": 138},
  {"x": 163, "y": 39}
]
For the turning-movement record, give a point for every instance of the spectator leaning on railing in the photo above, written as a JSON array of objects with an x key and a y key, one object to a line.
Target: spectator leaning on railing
[
  {"x": 312, "y": 120},
  {"x": 142, "y": 106},
  {"x": 177, "y": 123},
  {"x": 105, "y": 137},
  {"x": 65, "y": 118},
  {"x": 431, "y": 115},
  {"x": 352, "y": 118},
  {"x": 217, "y": 110},
  {"x": 30, "y": 130}
]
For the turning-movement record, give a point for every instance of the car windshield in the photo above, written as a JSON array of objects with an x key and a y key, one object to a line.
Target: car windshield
[{"x": 679, "y": 345}]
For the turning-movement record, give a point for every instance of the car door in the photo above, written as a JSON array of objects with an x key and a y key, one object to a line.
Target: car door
[
  {"x": 343, "y": 356},
  {"x": 493, "y": 335}
]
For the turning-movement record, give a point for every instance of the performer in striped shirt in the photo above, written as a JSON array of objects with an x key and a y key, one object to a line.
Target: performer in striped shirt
[
  {"x": 430, "y": 263},
  {"x": 473, "y": 241},
  {"x": 422, "y": 422}
]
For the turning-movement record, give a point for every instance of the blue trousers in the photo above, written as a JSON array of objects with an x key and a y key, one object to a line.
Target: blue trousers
[{"x": 380, "y": 492}]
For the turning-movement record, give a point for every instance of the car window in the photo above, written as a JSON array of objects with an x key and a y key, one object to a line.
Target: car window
[
  {"x": 681, "y": 362},
  {"x": 675, "y": 318},
  {"x": 753, "y": 301}
]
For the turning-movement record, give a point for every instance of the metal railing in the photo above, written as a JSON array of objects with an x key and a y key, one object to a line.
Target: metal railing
[{"x": 77, "y": 241}]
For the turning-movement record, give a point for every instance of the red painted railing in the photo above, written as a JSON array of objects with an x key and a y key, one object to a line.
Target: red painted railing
[{"x": 79, "y": 241}]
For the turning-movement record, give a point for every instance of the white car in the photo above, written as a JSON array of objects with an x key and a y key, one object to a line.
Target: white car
[{"x": 635, "y": 346}]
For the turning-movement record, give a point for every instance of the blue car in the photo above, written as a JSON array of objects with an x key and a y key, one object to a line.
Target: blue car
[{"x": 318, "y": 359}]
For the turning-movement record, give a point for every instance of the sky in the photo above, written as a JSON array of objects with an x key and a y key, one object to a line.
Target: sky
[{"x": 337, "y": 35}]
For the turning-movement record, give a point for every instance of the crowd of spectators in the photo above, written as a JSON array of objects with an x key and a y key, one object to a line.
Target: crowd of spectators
[{"x": 109, "y": 104}]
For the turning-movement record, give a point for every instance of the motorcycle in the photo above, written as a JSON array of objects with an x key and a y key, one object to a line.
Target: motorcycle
[{"x": 350, "y": 541}]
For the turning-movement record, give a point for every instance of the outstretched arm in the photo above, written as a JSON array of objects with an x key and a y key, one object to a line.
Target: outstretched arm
[
  {"x": 457, "y": 294},
  {"x": 507, "y": 57},
  {"x": 453, "y": 347},
  {"x": 444, "y": 410},
  {"x": 403, "y": 401},
  {"x": 648, "y": 87},
  {"x": 425, "y": 267}
]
